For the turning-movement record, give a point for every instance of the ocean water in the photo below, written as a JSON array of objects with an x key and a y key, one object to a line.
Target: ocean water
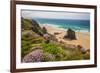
[{"x": 76, "y": 25}]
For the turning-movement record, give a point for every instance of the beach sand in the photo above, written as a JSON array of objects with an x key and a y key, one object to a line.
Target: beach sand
[{"x": 83, "y": 39}]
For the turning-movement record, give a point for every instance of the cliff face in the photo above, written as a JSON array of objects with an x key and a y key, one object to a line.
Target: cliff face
[
  {"x": 29, "y": 24},
  {"x": 31, "y": 33}
]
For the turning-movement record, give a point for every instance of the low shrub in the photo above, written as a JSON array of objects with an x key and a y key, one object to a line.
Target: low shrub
[
  {"x": 48, "y": 57},
  {"x": 50, "y": 48},
  {"x": 34, "y": 56},
  {"x": 54, "y": 49}
]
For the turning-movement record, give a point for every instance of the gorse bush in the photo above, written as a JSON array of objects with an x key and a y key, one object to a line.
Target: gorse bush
[
  {"x": 44, "y": 30},
  {"x": 26, "y": 24},
  {"x": 25, "y": 48},
  {"x": 48, "y": 57},
  {"x": 50, "y": 48},
  {"x": 54, "y": 49}
]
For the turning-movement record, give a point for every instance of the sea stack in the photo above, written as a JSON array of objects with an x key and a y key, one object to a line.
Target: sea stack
[{"x": 70, "y": 34}]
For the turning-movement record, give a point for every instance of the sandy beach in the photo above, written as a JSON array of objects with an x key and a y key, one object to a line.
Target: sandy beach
[{"x": 83, "y": 39}]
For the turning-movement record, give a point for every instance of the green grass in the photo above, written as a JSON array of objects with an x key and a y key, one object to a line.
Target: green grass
[
  {"x": 51, "y": 48},
  {"x": 61, "y": 54},
  {"x": 54, "y": 49},
  {"x": 26, "y": 24},
  {"x": 28, "y": 42}
]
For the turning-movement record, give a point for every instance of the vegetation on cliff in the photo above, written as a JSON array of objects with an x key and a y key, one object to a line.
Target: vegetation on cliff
[{"x": 35, "y": 49}]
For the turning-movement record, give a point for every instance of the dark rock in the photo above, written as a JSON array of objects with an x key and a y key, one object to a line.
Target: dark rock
[
  {"x": 81, "y": 49},
  {"x": 61, "y": 42},
  {"x": 88, "y": 50},
  {"x": 70, "y": 34},
  {"x": 44, "y": 30},
  {"x": 28, "y": 34},
  {"x": 36, "y": 28},
  {"x": 56, "y": 33}
]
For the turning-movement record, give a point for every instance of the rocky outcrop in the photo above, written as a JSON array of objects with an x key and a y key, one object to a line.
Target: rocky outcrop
[
  {"x": 70, "y": 34},
  {"x": 44, "y": 30},
  {"x": 36, "y": 28},
  {"x": 30, "y": 24},
  {"x": 81, "y": 49}
]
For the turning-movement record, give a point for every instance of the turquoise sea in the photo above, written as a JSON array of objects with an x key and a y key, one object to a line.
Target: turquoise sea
[{"x": 76, "y": 25}]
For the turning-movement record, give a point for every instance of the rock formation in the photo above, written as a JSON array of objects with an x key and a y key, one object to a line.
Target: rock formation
[
  {"x": 30, "y": 24},
  {"x": 70, "y": 34},
  {"x": 44, "y": 30}
]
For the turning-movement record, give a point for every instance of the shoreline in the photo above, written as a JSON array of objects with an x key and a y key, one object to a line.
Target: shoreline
[
  {"x": 83, "y": 39},
  {"x": 59, "y": 28}
]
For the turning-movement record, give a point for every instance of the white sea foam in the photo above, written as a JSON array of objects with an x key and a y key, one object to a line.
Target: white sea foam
[
  {"x": 52, "y": 25},
  {"x": 61, "y": 28}
]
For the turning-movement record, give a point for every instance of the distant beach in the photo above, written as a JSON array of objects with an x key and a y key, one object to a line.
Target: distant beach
[
  {"x": 83, "y": 39},
  {"x": 76, "y": 25}
]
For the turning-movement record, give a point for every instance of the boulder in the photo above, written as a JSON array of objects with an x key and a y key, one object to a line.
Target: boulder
[
  {"x": 56, "y": 33},
  {"x": 44, "y": 30},
  {"x": 70, "y": 34},
  {"x": 81, "y": 49},
  {"x": 47, "y": 38}
]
